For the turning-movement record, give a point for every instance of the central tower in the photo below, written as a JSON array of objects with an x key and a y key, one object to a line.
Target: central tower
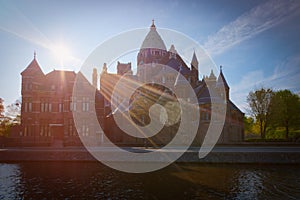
[{"x": 152, "y": 50}]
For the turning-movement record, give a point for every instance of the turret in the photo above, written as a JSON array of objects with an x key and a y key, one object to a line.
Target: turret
[
  {"x": 194, "y": 70},
  {"x": 211, "y": 79},
  {"x": 222, "y": 85},
  {"x": 95, "y": 77}
]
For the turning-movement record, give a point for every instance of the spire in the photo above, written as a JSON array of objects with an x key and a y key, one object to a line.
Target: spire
[
  {"x": 172, "y": 51},
  {"x": 153, "y": 40},
  {"x": 212, "y": 75},
  {"x": 33, "y": 68},
  {"x": 153, "y": 25},
  {"x": 221, "y": 79},
  {"x": 194, "y": 62}
]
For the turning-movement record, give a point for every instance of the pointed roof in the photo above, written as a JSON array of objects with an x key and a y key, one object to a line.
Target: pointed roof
[
  {"x": 221, "y": 79},
  {"x": 194, "y": 62},
  {"x": 172, "y": 49},
  {"x": 33, "y": 68},
  {"x": 212, "y": 75},
  {"x": 153, "y": 39}
]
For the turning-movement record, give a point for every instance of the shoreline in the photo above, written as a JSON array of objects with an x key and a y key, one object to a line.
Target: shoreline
[{"x": 225, "y": 154}]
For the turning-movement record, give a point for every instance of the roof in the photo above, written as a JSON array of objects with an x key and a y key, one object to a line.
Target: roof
[
  {"x": 61, "y": 75},
  {"x": 33, "y": 68},
  {"x": 234, "y": 107},
  {"x": 194, "y": 62},
  {"x": 180, "y": 80},
  {"x": 153, "y": 40},
  {"x": 222, "y": 80}
]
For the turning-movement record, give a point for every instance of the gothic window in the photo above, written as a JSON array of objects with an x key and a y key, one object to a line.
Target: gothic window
[
  {"x": 25, "y": 106},
  {"x": 72, "y": 103},
  {"x": 85, "y": 128},
  {"x": 85, "y": 104},
  {"x": 46, "y": 106},
  {"x": 42, "y": 107},
  {"x": 60, "y": 107},
  {"x": 50, "y": 107},
  {"x": 29, "y": 104}
]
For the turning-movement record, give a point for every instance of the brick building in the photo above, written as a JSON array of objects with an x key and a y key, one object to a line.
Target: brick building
[
  {"x": 48, "y": 103},
  {"x": 154, "y": 62}
]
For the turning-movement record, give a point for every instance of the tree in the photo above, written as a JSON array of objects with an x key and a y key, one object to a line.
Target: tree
[
  {"x": 285, "y": 109},
  {"x": 1, "y": 108},
  {"x": 248, "y": 124},
  {"x": 259, "y": 102},
  {"x": 11, "y": 117},
  {"x": 13, "y": 111}
]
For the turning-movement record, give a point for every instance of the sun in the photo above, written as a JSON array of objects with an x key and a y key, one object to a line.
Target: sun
[{"x": 62, "y": 53}]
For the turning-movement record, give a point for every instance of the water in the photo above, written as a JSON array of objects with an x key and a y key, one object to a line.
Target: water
[{"x": 91, "y": 180}]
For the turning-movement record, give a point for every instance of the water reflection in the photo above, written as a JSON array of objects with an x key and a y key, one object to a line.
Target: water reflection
[
  {"x": 79, "y": 180},
  {"x": 249, "y": 184},
  {"x": 9, "y": 181}
]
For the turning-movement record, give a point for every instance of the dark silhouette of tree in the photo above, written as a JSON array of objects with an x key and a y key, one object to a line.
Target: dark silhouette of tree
[
  {"x": 259, "y": 102},
  {"x": 1, "y": 108},
  {"x": 285, "y": 110}
]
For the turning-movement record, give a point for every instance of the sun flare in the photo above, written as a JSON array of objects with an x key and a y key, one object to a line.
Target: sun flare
[{"x": 62, "y": 53}]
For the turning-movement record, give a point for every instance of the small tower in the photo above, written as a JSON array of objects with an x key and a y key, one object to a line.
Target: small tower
[
  {"x": 211, "y": 80},
  {"x": 222, "y": 85},
  {"x": 32, "y": 77},
  {"x": 194, "y": 70},
  {"x": 95, "y": 77},
  {"x": 104, "y": 68}
]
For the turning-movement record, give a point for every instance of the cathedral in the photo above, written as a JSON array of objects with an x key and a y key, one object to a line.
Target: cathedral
[
  {"x": 158, "y": 66},
  {"x": 48, "y": 103}
]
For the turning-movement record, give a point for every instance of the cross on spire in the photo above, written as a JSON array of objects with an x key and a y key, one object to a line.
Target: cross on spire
[
  {"x": 34, "y": 54},
  {"x": 153, "y": 25}
]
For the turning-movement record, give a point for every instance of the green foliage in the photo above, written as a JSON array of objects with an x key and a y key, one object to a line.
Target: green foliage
[
  {"x": 11, "y": 117},
  {"x": 276, "y": 115},
  {"x": 5, "y": 127},
  {"x": 259, "y": 102},
  {"x": 285, "y": 110}
]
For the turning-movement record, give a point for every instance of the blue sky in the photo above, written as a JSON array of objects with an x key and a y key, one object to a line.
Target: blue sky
[{"x": 257, "y": 42}]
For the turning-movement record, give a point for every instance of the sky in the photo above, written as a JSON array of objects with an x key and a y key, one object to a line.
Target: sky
[{"x": 256, "y": 42}]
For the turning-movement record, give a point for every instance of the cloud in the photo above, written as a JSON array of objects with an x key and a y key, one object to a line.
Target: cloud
[
  {"x": 251, "y": 23},
  {"x": 286, "y": 75}
]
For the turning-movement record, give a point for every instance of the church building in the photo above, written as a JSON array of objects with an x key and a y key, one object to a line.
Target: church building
[{"x": 48, "y": 103}]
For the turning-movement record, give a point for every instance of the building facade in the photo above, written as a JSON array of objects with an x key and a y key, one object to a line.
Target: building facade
[
  {"x": 47, "y": 106},
  {"x": 156, "y": 64},
  {"x": 48, "y": 101}
]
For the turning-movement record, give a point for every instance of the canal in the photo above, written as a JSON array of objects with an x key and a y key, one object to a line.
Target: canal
[{"x": 92, "y": 180}]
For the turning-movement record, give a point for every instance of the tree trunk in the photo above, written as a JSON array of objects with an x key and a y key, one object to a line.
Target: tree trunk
[
  {"x": 287, "y": 131},
  {"x": 262, "y": 134}
]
